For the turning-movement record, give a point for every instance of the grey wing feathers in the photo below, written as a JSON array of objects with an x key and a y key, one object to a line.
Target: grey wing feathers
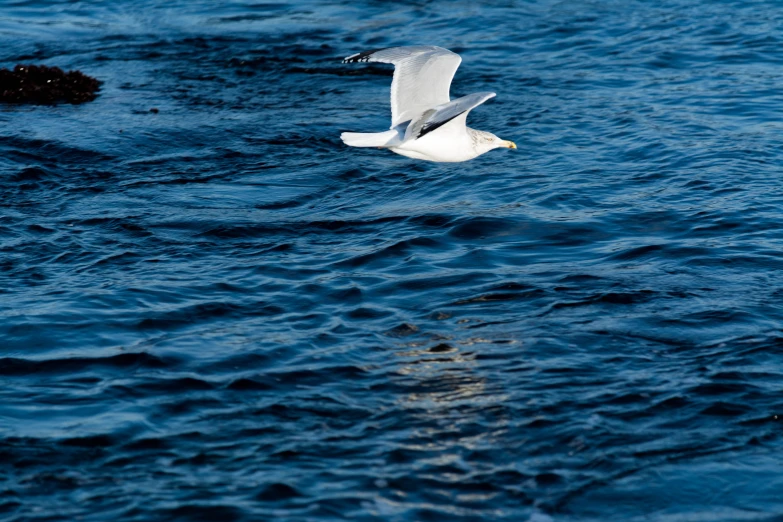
[
  {"x": 363, "y": 56},
  {"x": 441, "y": 115},
  {"x": 422, "y": 77},
  {"x": 393, "y": 54}
]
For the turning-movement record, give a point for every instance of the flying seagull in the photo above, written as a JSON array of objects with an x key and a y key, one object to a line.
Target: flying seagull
[{"x": 426, "y": 124}]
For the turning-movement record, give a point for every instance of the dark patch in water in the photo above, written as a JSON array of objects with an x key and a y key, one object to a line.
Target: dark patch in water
[{"x": 46, "y": 85}]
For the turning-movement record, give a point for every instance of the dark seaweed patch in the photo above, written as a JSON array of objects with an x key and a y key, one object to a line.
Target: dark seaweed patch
[{"x": 44, "y": 85}]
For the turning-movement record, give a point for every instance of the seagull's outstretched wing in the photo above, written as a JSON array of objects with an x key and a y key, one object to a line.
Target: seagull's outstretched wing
[
  {"x": 422, "y": 77},
  {"x": 454, "y": 111}
]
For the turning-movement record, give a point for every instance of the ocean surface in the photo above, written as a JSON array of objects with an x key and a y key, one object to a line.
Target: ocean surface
[{"x": 214, "y": 310}]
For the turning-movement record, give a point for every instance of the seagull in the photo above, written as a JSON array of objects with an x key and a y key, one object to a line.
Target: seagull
[{"x": 426, "y": 123}]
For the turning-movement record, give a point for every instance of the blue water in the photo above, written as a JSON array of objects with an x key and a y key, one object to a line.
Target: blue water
[{"x": 220, "y": 312}]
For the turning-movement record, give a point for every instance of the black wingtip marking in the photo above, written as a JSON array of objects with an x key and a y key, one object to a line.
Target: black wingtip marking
[
  {"x": 429, "y": 127},
  {"x": 362, "y": 57}
]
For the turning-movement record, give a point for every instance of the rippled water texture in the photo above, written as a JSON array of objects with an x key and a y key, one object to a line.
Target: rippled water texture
[{"x": 220, "y": 312}]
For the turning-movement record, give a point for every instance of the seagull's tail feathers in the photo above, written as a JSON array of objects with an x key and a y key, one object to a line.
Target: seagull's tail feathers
[{"x": 390, "y": 138}]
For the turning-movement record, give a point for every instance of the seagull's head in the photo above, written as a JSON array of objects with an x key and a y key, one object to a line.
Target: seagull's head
[{"x": 486, "y": 141}]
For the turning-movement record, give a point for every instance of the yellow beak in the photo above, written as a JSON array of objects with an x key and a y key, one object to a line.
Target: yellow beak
[{"x": 509, "y": 144}]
